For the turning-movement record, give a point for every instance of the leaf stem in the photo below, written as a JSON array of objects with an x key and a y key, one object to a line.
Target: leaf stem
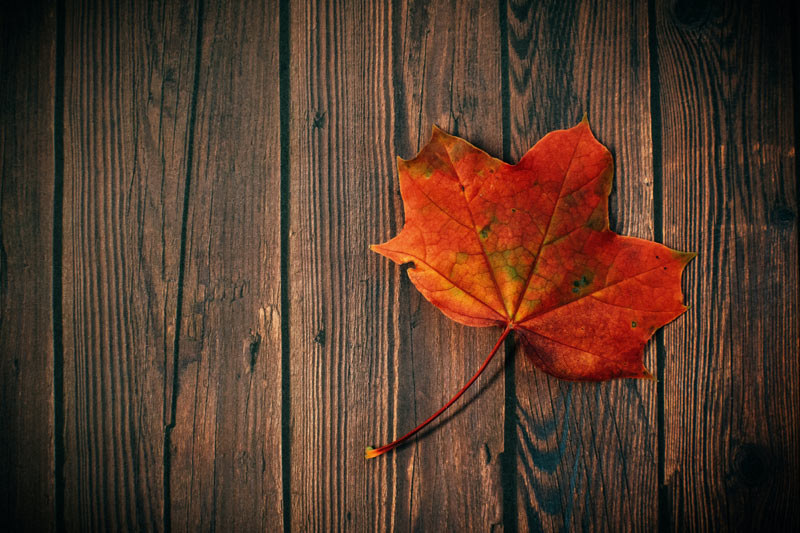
[{"x": 375, "y": 452}]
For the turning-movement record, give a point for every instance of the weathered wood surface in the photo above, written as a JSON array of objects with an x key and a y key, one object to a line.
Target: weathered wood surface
[
  {"x": 444, "y": 75},
  {"x": 340, "y": 317},
  {"x": 731, "y": 395},
  {"x": 225, "y": 454},
  {"x": 195, "y": 336},
  {"x": 27, "y": 341},
  {"x": 128, "y": 79},
  {"x": 586, "y": 455},
  {"x": 369, "y": 356}
]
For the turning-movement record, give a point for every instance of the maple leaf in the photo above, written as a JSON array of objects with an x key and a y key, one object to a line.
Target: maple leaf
[{"x": 527, "y": 247}]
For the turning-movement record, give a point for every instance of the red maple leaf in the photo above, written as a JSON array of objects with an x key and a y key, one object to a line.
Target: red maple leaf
[{"x": 527, "y": 247}]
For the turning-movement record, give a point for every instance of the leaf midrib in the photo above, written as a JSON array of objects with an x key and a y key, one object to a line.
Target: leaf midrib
[
  {"x": 546, "y": 231},
  {"x": 475, "y": 232}
]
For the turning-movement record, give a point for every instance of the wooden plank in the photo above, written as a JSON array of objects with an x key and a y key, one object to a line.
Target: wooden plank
[
  {"x": 344, "y": 320},
  {"x": 27, "y": 170},
  {"x": 226, "y": 461},
  {"x": 730, "y": 192},
  {"x": 587, "y": 453},
  {"x": 370, "y": 357},
  {"x": 446, "y": 72},
  {"x": 129, "y": 74}
]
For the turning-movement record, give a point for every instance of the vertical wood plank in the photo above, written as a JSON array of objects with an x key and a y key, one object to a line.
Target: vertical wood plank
[
  {"x": 447, "y": 72},
  {"x": 27, "y": 96},
  {"x": 587, "y": 453},
  {"x": 226, "y": 456},
  {"x": 729, "y": 166},
  {"x": 370, "y": 357},
  {"x": 344, "y": 320},
  {"x": 129, "y": 73}
]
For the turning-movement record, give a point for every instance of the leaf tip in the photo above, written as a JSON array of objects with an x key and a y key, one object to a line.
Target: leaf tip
[
  {"x": 584, "y": 125},
  {"x": 402, "y": 168},
  {"x": 370, "y": 453}
]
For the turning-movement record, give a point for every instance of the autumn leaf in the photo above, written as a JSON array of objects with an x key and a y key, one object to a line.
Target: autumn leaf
[{"x": 527, "y": 247}]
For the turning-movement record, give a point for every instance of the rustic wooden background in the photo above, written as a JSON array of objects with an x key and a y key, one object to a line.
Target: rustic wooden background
[{"x": 194, "y": 335}]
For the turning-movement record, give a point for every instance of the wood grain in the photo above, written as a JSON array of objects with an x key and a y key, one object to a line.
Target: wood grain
[
  {"x": 587, "y": 453},
  {"x": 731, "y": 396},
  {"x": 447, "y": 72},
  {"x": 359, "y": 376},
  {"x": 129, "y": 74},
  {"x": 226, "y": 456},
  {"x": 27, "y": 171},
  {"x": 345, "y": 327},
  {"x": 187, "y": 196}
]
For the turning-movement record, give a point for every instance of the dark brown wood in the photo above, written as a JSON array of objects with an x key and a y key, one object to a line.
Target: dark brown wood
[
  {"x": 226, "y": 456},
  {"x": 587, "y": 453},
  {"x": 165, "y": 286},
  {"x": 344, "y": 329},
  {"x": 447, "y": 72},
  {"x": 27, "y": 170},
  {"x": 129, "y": 74},
  {"x": 370, "y": 358},
  {"x": 732, "y": 402}
]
